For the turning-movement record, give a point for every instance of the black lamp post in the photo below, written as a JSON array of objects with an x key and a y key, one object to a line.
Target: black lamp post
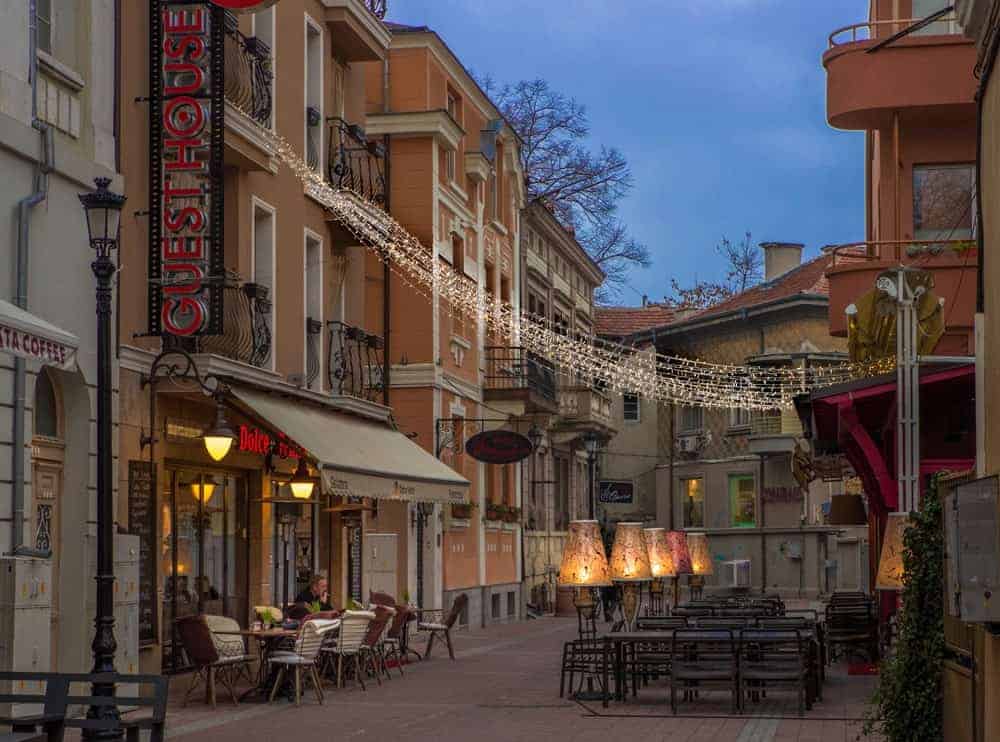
[
  {"x": 103, "y": 209},
  {"x": 591, "y": 443}
]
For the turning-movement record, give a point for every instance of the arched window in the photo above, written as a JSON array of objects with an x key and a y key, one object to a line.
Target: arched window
[{"x": 46, "y": 407}]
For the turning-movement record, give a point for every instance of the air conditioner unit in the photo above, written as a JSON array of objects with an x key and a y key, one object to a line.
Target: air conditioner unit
[
  {"x": 736, "y": 574},
  {"x": 687, "y": 444}
]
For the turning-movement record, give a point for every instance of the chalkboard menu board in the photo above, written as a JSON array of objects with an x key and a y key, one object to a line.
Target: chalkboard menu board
[
  {"x": 354, "y": 563},
  {"x": 142, "y": 523}
]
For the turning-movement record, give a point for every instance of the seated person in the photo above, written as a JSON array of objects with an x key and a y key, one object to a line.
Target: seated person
[{"x": 317, "y": 592}]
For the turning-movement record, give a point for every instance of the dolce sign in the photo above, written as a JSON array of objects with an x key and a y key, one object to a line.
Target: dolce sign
[
  {"x": 186, "y": 265},
  {"x": 253, "y": 440}
]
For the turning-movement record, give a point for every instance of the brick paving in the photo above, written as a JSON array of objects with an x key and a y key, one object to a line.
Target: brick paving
[{"x": 505, "y": 686}]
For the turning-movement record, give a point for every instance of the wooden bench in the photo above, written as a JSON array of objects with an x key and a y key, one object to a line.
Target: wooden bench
[{"x": 58, "y": 698}]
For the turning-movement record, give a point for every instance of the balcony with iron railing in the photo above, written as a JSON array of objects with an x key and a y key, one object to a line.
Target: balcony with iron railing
[
  {"x": 356, "y": 365},
  {"x": 774, "y": 431},
  {"x": 885, "y": 66},
  {"x": 357, "y": 33},
  {"x": 248, "y": 73},
  {"x": 246, "y": 335},
  {"x": 514, "y": 374},
  {"x": 354, "y": 161},
  {"x": 855, "y": 267}
]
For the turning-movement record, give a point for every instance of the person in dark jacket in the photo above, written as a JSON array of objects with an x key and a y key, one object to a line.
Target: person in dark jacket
[{"x": 317, "y": 592}]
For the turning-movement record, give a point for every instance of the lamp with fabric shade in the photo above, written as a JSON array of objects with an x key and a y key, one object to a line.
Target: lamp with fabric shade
[
  {"x": 701, "y": 563},
  {"x": 661, "y": 565},
  {"x": 584, "y": 565},
  {"x": 630, "y": 566},
  {"x": 682, "y": 559},
  {"x": 890, "y": 563}
]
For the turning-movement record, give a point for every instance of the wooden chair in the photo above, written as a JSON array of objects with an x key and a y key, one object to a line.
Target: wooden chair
[
  {"x": 347, "y": 650},
  {"x": 371, "y": 652},
  {"x": 58, "y": 696},
  {"x": 443, "y": 629},
  {"x": 704, "y": 659},
  {"x": 212, "y": 658},
  {"x": 392, "y": 642},
  {"x": 302, "y": 660}
]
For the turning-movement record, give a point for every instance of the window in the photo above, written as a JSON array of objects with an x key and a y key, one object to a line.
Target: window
[
  {"x": 263, "y": 30},
  {"x": 263, "y": 264},
  {"x": 924, "y": 8},
  {"x": 561, "y": 504},
  {"x": 491, "y": 195},
  {"x": 739, "y": 417},
  {"x": 46, "y": 407},
  {"x": 693, "y": 491},
  {"x": 742, "y": 501},
  {"x": 495, "y": 606},
  {"x": 691, "y": 419},
  {"x": 449, "y": 165},
  {"x": 314, "y": 312},
  {"x": 511, "y": 604},
  {"x": 942, "y": 202},
  {"x": 630, "y": 402},
  {"x": 43, "y": 31},
  {"x": 314, "y": 94}
]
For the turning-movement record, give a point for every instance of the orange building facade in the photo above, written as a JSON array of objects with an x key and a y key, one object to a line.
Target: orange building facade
[{"x": 456, "y": 184}]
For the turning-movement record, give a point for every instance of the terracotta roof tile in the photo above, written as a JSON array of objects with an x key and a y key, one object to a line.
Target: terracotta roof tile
[{"x": 622, "y": 321}]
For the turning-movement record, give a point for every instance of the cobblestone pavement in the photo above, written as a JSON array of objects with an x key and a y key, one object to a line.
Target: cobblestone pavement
[{"x": 504, "y": 685}]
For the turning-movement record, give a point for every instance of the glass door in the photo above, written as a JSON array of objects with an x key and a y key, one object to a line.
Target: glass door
[
  {"x": 296, "y": 558},
  {"x": 205, "y": 548}
]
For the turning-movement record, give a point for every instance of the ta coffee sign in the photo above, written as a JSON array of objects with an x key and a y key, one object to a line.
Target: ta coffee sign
[
  {"x": 498, "y": 447},
  {"x": 187, "y": 109},
  {"x": 621, "y": 493}
]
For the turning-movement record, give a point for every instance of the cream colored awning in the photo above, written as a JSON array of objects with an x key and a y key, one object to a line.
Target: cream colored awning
[
  {"x": 25, "y": 335},
  {"x": 359, "y": 458}
]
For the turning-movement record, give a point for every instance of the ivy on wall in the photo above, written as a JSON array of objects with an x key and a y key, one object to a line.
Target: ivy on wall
[{"x": 907, "y": 703}]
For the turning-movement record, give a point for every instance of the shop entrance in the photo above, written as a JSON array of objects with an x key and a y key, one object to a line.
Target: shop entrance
[
  {"x": 295, "y": 548},
  {"x": 205, "y": 549}
]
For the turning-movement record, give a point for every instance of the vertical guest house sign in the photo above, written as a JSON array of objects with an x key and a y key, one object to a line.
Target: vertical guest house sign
[{"x": 187, "y": 108}]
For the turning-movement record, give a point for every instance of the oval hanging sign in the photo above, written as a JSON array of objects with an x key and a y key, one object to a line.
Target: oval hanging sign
[{"x": 498, "y": 447}]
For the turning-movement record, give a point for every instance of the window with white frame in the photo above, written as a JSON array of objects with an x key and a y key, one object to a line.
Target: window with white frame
[
  {"x": 692, "y": 419},
  {"x": 314, "y": 93},
  {"x": 43, "y": 27},
  {"x": 263, "y": 246},
  {"x": 739, "y": 417},
  {"x": 263, "y": 30},
  {"x": 631, "y": 407},
  {"x": 314, "y": 324}
]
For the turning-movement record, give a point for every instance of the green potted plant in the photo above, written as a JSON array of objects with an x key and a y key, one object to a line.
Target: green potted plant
[
  {"x": 267, "y": 618},
  {"x": 512, "y": 514},
  {"x": 495, "y": 511},
  {"x": 462, "y": 510}
]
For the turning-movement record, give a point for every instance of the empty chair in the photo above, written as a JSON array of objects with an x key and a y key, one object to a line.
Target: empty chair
[
  {"x": 443, "y": 629},
  {"x": 347, "y": 650},
  {"x": 688, "y": 611},
  {"x": 721, "y": 622},
  {"x": 370, "y": 653},
  {"x": 774, "y": 658},
  {"x": 301, "y": 661},
  {"x": 704, "y": 659},
  {"x": 392, "y": 642},
  {"x": 584, "y": 659},
  {"x": 660, "y": 623},
  {"x": 211, "y": 656}
]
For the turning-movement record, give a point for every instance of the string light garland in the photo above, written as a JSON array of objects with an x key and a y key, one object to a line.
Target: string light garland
[{"x": 618, "y": 367}]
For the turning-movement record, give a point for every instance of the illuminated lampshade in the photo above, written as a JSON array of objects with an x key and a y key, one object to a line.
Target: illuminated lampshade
[
  {"x": 679, "y": 550},
  {"x": 629, "y": 556},
  {"x": 301, "y": 483},
  {"x": 890, "y": 563},
  {"x": 848, "y": 510},
  {"x": 661, "y": 559},
  {"x": 701, "y": 559},
  {"x": 584, "y": 563},
  {"x": 203, "y": 490},
  {"x": 219, "y": 439}
]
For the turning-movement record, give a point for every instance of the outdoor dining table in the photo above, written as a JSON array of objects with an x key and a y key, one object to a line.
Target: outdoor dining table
[{"x": 266, "y": 640}]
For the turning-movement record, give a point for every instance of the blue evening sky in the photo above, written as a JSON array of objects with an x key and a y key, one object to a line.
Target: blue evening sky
[{"x": 717, "y": 104}]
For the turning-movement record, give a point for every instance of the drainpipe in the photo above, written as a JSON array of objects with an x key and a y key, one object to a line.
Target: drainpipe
[
  {"x": 386, "y": 272},
  {"x": 24, "y": 206}
]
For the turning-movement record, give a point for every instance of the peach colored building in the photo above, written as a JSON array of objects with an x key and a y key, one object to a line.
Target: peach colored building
[
  {"x": 456, "y": 184},
  {"x": 302, "y": 351}
]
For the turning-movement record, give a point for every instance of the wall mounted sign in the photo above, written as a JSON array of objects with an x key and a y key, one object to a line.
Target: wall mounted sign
[
  {"x": 616, "y": 492},
  {"x": 254, "y": 440},
  {"x": 498, "y": 447},
  {"x": 187, "y": 120},
  {"x": 781, "y": 494},
  {"x": 142, "y": 523}
]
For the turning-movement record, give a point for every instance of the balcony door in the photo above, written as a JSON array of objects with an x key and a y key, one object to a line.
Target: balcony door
[{"x": 924, "y": 8}]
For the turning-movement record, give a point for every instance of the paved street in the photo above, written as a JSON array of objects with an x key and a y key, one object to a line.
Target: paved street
[{"x": 504, "y": 686}]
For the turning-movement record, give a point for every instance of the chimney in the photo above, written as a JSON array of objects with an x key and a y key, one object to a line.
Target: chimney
[
  {"x": 780, "y": 257},
  {"x": 645, "y": 301}
]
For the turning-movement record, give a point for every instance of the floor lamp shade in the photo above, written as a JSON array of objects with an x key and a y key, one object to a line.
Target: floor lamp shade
[
  {"x": 701, "y": 559},
  {"x": 679, "y": 550},
  {"x": 629, "y": 556},
  {"x": 890, "y": 563},
  {"x": 661, "y": 559},
  {"x": 584, "y": 563}
]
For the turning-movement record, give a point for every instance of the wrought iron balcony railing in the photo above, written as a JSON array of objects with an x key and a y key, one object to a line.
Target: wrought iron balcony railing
[
  {"x": 314, "y": 328},
  {"x": 355, "y": 162},
  {"x": 248, "y": 73},
  {"x": 516, "y": 368},
  {"x": 246, "y": 333},
  {"x": 377, "y": 7},
  {"x": 357, "y": 362}
]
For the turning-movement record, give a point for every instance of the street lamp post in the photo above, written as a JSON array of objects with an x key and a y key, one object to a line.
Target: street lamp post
[
  {"x": 591, "y": 442},
  {"x": 103, "y": 210}
]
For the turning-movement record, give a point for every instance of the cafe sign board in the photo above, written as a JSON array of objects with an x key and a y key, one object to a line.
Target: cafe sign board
[
  {"x": 498, "y": 446},
  {"x": 187, "y": 122}
]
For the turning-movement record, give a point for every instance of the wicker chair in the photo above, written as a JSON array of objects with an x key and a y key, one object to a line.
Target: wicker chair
[
  {"x": 302, "y": 658},
  {"x": 212, "y": 656},
  {"x": 353, "y": 627},
  {"x": 443, "y": 629}
]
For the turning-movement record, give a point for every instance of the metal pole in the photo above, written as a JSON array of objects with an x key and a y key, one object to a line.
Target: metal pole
[
  {"x": 908, "y": 396},
  {"x": 104, "y": 645},
  {"x": 591, "y": 505}
]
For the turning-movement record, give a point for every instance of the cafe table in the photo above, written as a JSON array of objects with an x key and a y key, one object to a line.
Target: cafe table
[{"x": 266, "y": 640}]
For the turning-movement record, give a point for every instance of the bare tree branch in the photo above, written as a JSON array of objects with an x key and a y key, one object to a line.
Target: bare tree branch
[{"x": 744, "y": 270}]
